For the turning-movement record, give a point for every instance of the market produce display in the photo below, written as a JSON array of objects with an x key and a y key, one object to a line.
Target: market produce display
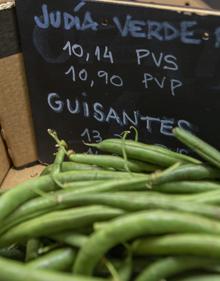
[{"x": 136, "y": 212}]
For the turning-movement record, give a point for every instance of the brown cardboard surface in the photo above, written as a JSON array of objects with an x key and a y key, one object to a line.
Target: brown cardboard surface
[
  {"x": 4, "y": 160},
  {"x": 15, "y": 113},
  {"x": 15, "y": 177}
]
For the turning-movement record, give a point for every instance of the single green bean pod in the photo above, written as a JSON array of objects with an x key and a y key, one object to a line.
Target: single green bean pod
[
  {"x": 196, "y": 244},
  {"x": 206, "y": 151},
  {"x": 14, "y": 271},
  {"x": 56, "y": 260},
  {"x": 165, "y": 268},
  {"x": 147, "y": 153},
  {"x": 114, "y": 162},
  {"x": 187, "y": 172}
]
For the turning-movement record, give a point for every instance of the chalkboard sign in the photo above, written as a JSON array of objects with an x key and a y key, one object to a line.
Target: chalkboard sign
[{"x": 95, "y": 68}]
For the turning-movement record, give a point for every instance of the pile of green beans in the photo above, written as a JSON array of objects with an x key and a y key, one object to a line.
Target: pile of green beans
[{"x": 136, "y": 212}]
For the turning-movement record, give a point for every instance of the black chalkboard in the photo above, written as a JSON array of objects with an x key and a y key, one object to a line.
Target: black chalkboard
[{"x": 96, "y": 68}]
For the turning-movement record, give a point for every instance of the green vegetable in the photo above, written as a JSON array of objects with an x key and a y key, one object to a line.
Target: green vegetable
[
  {"x": 14, "y": 197},
  {"x": 139, "y": 151},
  {"x": 110, "y": 161},
  {"x": 188, "y": 172},
  {"x": 57, "y": 260},
  {"x": 130, "y": 226},
  {"x": 200, "y": 245},
  {"x": 168, "y": 267},
  {"x": 14, "y": 271},
  {"x": 203, "y": 149},
  {"x": 187, "y": 187},
  {"x": 56, "y": 222}
]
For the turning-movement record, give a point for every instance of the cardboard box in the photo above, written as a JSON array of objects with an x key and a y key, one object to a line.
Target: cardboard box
[
  {"x": 15, "y": 113},
  {"x": 4, "y": 160},
  {"x": 15, "y": 176}
]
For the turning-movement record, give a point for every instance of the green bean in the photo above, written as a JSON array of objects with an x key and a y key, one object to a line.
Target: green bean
[
  {"x": 70, "y": 166},
  {"x": 32, "y": 247},
  {"x": 148, "y": 153},
  {"x": 68, "y": 177},
  {"x": 64, "y": 198},
  {"x": 168, "y": 267},
  {"x": 78, "y": 185},
  {"x": 209, "y": 197},
  {"x": 188, "y": 172},
  {"x": 14, "y": 271},
  {"x": 166, "y": 151},
  {"x": 140, "y": 201},
  {"x": 13, "y": 198},
  {"x": 202, "y": 148},
  {"x": 187, "y": 187},
  {"x": 110, "y": 161},
  {"x": 200, "y": 245},
  {"x": 57, "y": 222},
  {"x": 203, "y": 277},
  {"x": 58, "y": 260},
  {"x": 70, "y": 238},
  {"x": 130, "y": 226},
  {"x": 122, "y": 200}
]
